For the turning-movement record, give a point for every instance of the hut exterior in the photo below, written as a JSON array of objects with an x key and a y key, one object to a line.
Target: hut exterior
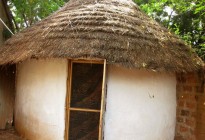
[
  {"x": 139, "y": 104},
  {"x": 97, "y": 69}
]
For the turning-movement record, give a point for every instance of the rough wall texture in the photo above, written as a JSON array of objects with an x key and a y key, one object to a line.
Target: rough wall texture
[{"x": 190, "y": 123}]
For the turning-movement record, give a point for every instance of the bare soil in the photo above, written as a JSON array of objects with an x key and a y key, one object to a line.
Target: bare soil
[{"x": 9, "y": 134}]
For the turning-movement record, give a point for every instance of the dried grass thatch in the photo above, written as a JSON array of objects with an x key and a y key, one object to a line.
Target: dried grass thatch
[{"x": 115, "y": 30}]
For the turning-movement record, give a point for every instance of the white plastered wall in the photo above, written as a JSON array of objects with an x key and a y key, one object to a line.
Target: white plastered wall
[
  {"x": 40, "y": 99},
  {"x": 141, "y": 105}
]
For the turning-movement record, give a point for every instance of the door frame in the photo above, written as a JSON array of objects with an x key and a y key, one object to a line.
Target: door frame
[{"x": 68, "y": 95}]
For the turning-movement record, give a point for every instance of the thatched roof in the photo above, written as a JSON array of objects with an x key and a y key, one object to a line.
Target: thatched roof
[{"x": 115, "y": 30}]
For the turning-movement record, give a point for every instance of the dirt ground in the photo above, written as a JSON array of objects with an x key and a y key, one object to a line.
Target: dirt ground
[{"x": 9, "y": 135}]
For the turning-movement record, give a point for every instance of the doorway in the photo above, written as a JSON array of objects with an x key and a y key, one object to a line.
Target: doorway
[{"x": 85, "y": 100}]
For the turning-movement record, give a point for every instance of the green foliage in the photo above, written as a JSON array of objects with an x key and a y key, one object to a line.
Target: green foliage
[
  {"x": 183, "y": 17},
  {"x": 28, "y": 12}
]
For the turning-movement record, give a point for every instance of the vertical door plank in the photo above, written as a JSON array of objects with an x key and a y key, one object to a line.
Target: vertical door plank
[
  {"x": 67, "y": 108},
  {"x": 102, "y": 103}
]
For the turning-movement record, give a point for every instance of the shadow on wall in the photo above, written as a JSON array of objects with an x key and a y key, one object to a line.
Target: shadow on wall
[{"x": 7, "y": 95}]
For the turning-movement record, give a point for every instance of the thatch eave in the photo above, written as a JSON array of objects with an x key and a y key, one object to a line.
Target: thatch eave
[{"x": 104, "y": 29}]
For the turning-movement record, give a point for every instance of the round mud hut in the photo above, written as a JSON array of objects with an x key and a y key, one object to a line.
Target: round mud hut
[{"x": 97, "y": 69}]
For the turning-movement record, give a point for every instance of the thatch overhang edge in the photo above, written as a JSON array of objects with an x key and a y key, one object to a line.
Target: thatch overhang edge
[{"x": 96, "y": 30}]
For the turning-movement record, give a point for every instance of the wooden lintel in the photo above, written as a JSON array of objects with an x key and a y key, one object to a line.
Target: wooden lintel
[
  {"x": 88, "y": 61},
  {"x": 84, "y": 110}
]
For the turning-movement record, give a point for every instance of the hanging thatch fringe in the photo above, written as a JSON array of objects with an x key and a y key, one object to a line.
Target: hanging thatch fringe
[{"x": 115, "y": 30}]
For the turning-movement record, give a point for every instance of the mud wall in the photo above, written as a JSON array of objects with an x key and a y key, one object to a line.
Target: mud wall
[
  {"x": 140, "y": 105},
  {"x": 40, "y": 99}
]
